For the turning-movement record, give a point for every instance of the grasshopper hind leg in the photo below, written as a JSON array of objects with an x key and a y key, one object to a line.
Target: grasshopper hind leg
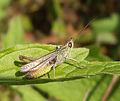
[
  {"x": 22, "y": 58},
  {"x": 54, "y": 71},
  {"x": 53, "y": 67}
]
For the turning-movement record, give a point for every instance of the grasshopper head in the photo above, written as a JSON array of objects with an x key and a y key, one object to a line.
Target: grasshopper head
[
  {"x": 65, "y": 50},
  {"x": 70, "y": 44}
]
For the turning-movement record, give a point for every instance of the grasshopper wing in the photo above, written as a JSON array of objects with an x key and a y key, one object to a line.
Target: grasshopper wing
[
  {"x": 42, "y": 68},
  {"x": 29, "y": 66}
]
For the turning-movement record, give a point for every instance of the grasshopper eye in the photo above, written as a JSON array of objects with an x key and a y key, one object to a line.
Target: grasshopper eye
[{"x": 70, "y": 44}]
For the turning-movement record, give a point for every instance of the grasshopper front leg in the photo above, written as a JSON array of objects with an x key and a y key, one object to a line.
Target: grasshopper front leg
[{"x": 54, "y": 71}]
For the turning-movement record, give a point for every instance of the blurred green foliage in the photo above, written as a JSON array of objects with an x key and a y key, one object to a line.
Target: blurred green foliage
[
  {"x": 15, "y": 34},
  {"x": 3, "y": 12},
  {"x": 58, "y": 25}
]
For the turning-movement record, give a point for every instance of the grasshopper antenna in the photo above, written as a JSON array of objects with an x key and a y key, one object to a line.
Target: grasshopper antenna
[{"x": 86, "y": 25}]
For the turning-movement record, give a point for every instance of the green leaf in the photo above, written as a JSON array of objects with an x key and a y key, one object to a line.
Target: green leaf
[
  {"x": 82, "y": 88},
  {"x": 101, "y": 81},
  {"x": 106, "y": 38},
  {"x": 58, "y": 24},
  {"x": 109, "y": 24},
  {"x": 15, "y": 34},
  {"x": 114, "y": 95},
  {"x": 27, "y": 22},
  {"x": 9, "y": 61},
  {"x": 94, "y": 54},
  {"x": 10, "y": 66},
  {"x": 3, "y": 11},
  {"x": 27, "y": 93},
  {"x": 58, "y": 27},
  {"x": 70, "y": 90},
  {"x": 4, "y": 3}
]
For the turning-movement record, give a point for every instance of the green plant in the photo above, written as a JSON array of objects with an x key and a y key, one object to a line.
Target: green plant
[{"x": 71, "y": 83}]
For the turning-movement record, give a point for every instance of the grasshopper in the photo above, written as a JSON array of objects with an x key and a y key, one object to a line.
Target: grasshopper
[{"x": 41, "y": 66}]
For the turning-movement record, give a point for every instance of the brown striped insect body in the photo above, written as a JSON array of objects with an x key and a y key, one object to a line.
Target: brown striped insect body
[{"x": 41, "y": 66}]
